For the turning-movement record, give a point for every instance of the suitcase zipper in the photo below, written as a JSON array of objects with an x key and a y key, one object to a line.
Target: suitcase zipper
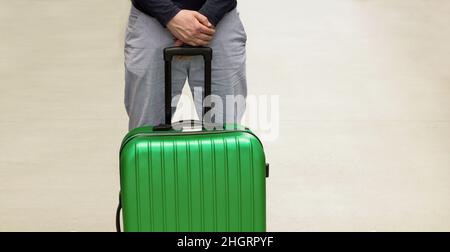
[{"x": 185, "y": 134}]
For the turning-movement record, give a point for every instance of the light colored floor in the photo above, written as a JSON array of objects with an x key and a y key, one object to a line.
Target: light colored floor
[{"x": 365, "y": 112}]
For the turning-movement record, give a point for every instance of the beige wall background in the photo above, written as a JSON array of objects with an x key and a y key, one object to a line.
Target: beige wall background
[{"x": 365, "y": 112}]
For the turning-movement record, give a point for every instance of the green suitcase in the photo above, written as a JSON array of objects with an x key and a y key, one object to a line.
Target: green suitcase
[{"x": 187, "y": 177}]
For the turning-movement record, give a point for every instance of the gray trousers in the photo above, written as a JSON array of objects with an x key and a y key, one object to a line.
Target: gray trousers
[{"x": 144, "y": 70}]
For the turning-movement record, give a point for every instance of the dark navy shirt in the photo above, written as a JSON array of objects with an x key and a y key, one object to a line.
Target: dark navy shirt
[{"x": 165, "y": 10}]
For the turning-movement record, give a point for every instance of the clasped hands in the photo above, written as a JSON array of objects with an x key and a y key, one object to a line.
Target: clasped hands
[{"x": 192, "y": 28}]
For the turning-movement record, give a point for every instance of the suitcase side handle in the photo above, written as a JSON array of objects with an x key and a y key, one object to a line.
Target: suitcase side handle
[
  {"x": 169, "y": 53},
  {"x": 119, "y": 208}
]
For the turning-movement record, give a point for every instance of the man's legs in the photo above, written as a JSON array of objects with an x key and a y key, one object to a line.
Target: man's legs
[
  {"x": 144, "y": 70},
  {"x": 228, "y": 70}
]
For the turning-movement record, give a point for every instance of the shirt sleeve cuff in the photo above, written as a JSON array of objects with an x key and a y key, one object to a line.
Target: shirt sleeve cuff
[
  {"x": 213, "y": 19},
  {"x": 164, "y": 20}
]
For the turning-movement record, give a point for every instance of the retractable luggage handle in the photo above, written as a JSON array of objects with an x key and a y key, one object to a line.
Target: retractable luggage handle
[{"x": 169, "y": 53}]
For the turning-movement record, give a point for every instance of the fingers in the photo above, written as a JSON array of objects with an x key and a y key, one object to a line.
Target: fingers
[
  {"x": 205, "y": 37},
  {"x": 202, "y": 19},
  {"x": 206, "y": 27},
  {"x": 198, "y": 38},
  {"x": 178, "y": 42},
  {"x": 201, "y": 39},
  {"x": 197, "y": 42},
  {"x": 205, "y": 30}
]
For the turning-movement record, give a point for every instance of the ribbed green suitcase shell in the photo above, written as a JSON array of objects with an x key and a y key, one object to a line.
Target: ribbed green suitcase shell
[{"x": 208, "y": 181}]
